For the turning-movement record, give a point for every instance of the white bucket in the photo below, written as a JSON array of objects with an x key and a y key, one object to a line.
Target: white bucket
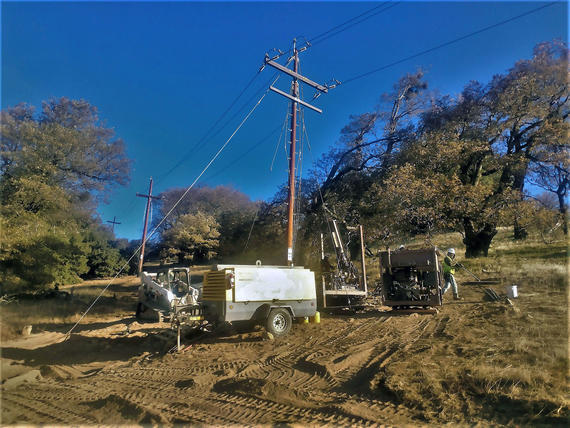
[{"x": 512, "y": 292}]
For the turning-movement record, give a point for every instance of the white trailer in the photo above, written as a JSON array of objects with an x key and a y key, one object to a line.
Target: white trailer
[{"x": 270, "y": 295}]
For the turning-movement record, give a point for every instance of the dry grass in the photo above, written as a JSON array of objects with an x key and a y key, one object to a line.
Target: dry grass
[
  {"x": 61, "y": 313},
  {"x": 490, "y": 360}
]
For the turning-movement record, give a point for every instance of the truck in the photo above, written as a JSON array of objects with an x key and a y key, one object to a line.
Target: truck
[{"x": 269, "y": 295}]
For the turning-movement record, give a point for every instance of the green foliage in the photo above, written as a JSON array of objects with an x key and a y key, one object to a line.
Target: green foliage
[
  {"x": 103, "y": 261},
  {"x": 222, "y": 232},
  {"x": 192, "y": 236},
  {"x": 457, "y": 163},
  {"x": 54, "y": 167}
]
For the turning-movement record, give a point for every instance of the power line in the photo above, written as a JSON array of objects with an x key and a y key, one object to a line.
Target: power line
[
  {"x": 450, "y": 42},
  {"x": 244, "y": 154},
  {"x": 220, "y": 150},
  {"x": 314, "y": 40},
  {"x": 323, "y": 36},
  {"x": 207, "y": 134}
]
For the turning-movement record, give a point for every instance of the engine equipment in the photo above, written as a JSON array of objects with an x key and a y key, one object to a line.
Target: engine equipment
[{"x": 411, "y": 278}]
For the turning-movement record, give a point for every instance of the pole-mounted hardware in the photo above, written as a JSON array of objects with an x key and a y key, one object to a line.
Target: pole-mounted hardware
[
  {"x": 295, "y": 100},
  {"x": 113, "y": 223}
]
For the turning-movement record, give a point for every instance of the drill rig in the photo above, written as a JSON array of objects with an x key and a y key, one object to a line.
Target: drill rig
[{"x": 342, "y": 286}]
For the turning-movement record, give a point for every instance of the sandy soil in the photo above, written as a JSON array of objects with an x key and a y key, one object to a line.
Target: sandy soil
[{"x": 338, "y": 372}]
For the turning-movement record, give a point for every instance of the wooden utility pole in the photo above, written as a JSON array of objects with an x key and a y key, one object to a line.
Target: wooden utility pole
[
  {"x": 149, "y": 198},
  {"x": 114, "y": 222},
  {"x": 295, "y": 101},
  {"x": 362, "y": 257},
  {"x": 292, "y": 152}
]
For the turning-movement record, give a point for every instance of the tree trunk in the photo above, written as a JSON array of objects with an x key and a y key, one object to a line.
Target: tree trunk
[
  {"x": 520, "y": 232},
  {"x": 477, "y": 242},
  {"x": 563, "y": 210}
]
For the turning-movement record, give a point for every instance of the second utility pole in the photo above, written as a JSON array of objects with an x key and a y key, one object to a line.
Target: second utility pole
[{"x": 149, "y": 198}]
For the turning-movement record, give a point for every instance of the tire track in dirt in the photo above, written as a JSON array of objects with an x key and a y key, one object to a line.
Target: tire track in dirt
[
  {"x": 48, "y": 407},
  {"x": 298, "y": 380},
  {"x": 302, "y": 367},
  {"x": 280, "y": 412},
  {"x": 176, "y": 411},
  {"x": 140, "y": 378},
  {"x": 165, "y": 373},
  {"x": 383, "y": 353}
]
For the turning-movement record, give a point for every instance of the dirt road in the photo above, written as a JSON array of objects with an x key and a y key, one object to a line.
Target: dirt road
[
  {"x": 319, "y": 374},
  {"x": 369, "y": 368}
]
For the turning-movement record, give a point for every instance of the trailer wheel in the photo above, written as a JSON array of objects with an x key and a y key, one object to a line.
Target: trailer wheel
[{"x": 278, "y": 322}]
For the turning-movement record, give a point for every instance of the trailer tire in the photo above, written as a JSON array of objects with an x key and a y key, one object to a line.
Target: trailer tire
[{"x": 278, "y": 322}]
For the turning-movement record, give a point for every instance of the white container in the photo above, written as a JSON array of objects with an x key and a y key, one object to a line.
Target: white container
[{"x": 512, "y": 292}]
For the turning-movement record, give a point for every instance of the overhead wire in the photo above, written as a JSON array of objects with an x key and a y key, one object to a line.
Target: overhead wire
[
  {"x": 244, "y": 154},
  {"x": 207, "y": 136},
  {"x": 325, "y": 210},
  {"x": 251, "y": 230},
  {"x": 282, "y": 135},
  {"x": 220, "y": 150},
  {"x": 366, "y": 15},
  {"x": 447, "y": 43}
]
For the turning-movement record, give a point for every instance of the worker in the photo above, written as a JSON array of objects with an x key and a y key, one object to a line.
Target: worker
[{"x": 449, "y": 265}]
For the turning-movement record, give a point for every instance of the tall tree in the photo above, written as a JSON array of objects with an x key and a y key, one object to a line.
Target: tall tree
[
  {"x": 54, "y": 167},
  {"x": 192, "y": 236},
  {"x": 529, "y": 108},
  {"x": 481, "y": 144},
  {"x": 232, "y": 213}
]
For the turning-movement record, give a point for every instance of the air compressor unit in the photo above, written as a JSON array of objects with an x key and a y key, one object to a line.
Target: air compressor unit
[{"x": 411, "y": 278}]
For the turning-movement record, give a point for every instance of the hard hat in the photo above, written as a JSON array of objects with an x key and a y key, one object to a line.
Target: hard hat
[{"x": 451, "y": 251}]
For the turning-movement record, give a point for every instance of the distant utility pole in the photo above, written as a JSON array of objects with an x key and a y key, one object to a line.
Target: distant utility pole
[
  {"x": 294, "y": 97},
  {"x": 149, "y": 198},
  {"x": 113, "y": 223}
]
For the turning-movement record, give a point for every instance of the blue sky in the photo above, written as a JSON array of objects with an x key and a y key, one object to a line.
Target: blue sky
[{"x": 161, "y": 74}]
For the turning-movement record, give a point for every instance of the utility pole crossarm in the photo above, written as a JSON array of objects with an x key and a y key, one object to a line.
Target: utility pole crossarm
[
  {"x": 113, "y": 222},
  {"x": 298, "y": 100},
  {"x": 297, "y": 76},
  {"x": 148, "y": 196}
]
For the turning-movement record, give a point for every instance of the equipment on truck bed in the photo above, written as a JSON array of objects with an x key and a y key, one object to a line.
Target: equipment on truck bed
[
  {"x": 344, "y": 286},
  {"x": 411, "y": 278}
]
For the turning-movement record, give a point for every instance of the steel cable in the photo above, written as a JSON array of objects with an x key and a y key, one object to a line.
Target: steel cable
[{"x": 220, "y": 150}]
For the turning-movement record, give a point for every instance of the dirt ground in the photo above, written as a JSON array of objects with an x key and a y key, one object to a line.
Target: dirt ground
[{"x": 466, "y": 364}]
